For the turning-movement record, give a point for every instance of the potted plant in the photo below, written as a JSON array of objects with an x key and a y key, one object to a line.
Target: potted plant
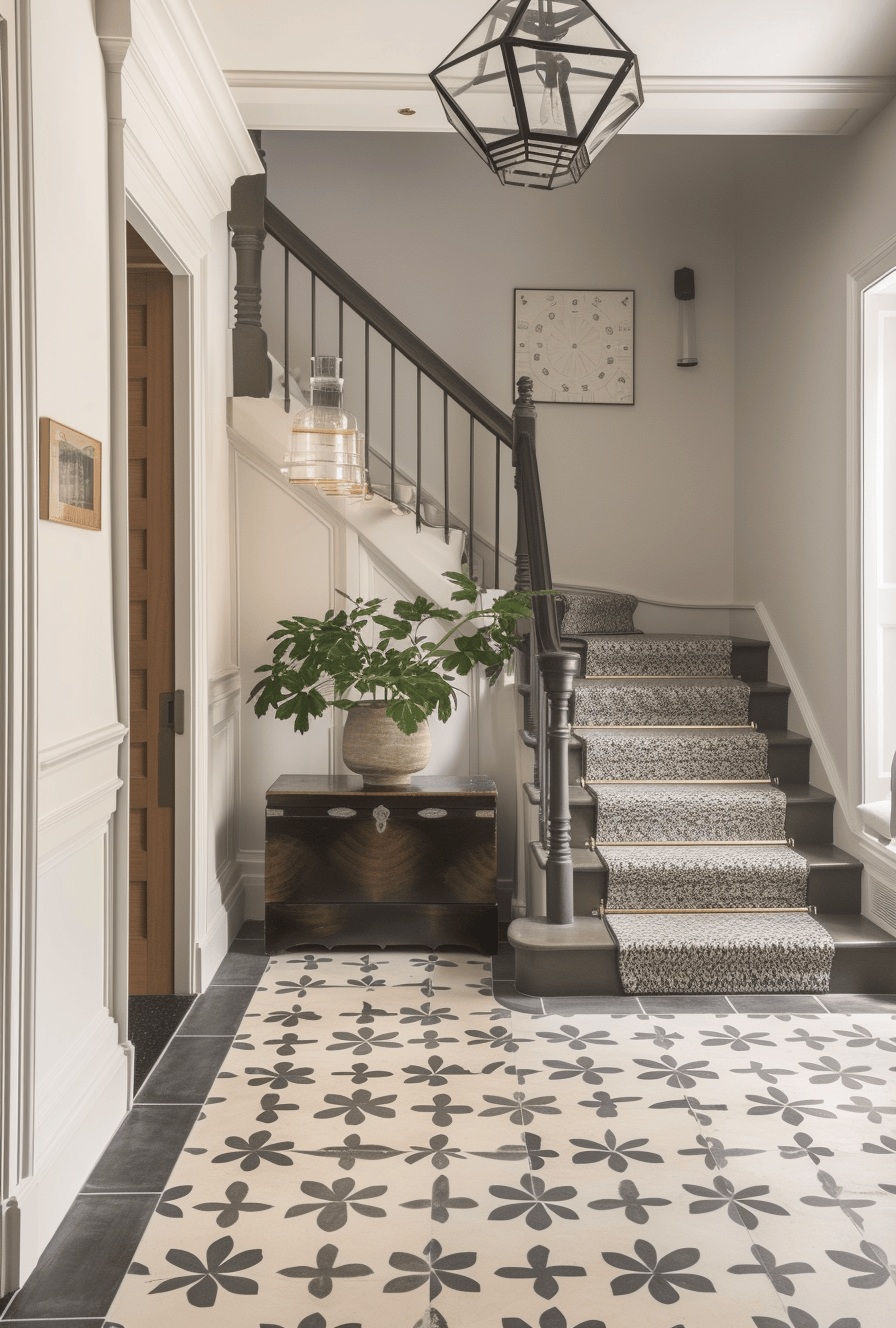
[{"x": 398, "y": 680}]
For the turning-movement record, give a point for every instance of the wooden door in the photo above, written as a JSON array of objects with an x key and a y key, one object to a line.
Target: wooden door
[{"x": 151, "y": 529}]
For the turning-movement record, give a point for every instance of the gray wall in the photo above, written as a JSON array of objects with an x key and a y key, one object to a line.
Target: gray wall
[{"x": 637, "y": 498}]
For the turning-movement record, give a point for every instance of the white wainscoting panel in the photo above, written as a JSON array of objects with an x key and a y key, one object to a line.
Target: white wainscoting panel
[{"x": 224, "y": 907}]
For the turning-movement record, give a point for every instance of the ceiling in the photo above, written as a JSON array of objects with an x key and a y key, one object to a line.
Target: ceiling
[{"x": 708, "y": 66}]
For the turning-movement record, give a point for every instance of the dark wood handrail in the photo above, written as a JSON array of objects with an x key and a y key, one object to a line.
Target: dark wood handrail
[{"x": 391, "y": 328}]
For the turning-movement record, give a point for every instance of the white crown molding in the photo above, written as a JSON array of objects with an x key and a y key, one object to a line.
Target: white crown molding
[
  {"x": 875, "y": 85},
  {"x": 356, "y": 101}
]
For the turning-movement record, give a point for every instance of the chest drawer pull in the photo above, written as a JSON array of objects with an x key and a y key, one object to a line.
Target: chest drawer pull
[
  {"x": 342, "y": 812},
  {"x": 432, "y": 813},
  {"x": 381, "y": 816},
  {"x": 489, "y": 814},
  {"x": 275, "y": 811}
]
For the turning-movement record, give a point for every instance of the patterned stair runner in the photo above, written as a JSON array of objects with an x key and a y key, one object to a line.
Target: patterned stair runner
[
  {"x": 728, "y": 952},
  {"x": 665, "y": 656},
  {"x": 646, "y": 703},
  {"x": 686, "y": 817},
  {"x": 689, "y": 813},
  {"x": 667, "y": 754}
]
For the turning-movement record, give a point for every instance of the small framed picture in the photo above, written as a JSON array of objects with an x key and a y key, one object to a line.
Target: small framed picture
[
  {"x": 71, "y": 472},
  {"x": 577, "y": 346}
]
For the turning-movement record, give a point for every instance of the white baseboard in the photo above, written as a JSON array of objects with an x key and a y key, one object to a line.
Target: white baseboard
[
  {"x": 252, "y": 864},
  {"x": 222, "y": 926},
  {"x": 91, "y": 1118}
]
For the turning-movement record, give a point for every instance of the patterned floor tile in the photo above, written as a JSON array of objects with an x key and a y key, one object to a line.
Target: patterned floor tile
[{"x": 387, "y": 1145}]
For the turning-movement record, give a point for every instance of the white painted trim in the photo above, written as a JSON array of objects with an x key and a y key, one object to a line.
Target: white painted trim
[
  {"x": 224, "y": 685},
  {"x": 78, "y": 806},
  {"x": 645, "y": 599},
  {"x": 77, "y": 749},
  {"x": 18, "y": 631},
  {"x": 881, "y": 261},
  {"x": 819, "y": 743},
  {"x": 866, "y": 85}
]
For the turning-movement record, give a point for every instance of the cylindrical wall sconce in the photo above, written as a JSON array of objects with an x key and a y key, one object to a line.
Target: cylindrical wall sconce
[{"x": 687, "y": 322}]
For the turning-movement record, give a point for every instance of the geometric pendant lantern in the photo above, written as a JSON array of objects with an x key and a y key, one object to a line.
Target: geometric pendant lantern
[{"x": 538, "y": 88}]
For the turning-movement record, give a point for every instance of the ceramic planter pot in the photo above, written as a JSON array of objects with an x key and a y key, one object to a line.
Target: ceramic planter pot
[{"x": 374, "y": 746}]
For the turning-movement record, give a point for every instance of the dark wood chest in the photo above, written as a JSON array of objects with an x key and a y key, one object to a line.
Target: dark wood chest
[{"x": 345, "y": 865}]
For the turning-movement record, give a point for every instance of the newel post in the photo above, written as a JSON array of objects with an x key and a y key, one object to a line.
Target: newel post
[
  {"x": 251, "y": 366},
  {"x": 524, "y": 418},
  {"x": 558, "y": 669}
]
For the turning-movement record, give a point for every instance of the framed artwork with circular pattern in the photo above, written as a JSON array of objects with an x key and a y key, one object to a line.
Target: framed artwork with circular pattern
[{"x": 577, "y": 346}]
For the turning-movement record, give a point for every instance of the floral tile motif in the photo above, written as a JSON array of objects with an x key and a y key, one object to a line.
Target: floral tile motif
[{"x": 385, "y": 1147}]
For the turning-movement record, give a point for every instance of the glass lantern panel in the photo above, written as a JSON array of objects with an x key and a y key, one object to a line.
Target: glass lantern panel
[
  {"x": 488, "y": 29},
  {"x": 626, "y": 100},
  {"x": 458, "y": 124},
  {"x": 561, "y": 92},
  {"x": 480, "y": 87},
  {"x": 569, "y": 21}
]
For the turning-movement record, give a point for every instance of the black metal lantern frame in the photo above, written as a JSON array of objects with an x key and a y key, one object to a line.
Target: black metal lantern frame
[{"x": 538, "y": 88}]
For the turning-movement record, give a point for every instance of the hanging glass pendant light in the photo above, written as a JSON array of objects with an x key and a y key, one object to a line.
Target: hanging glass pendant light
[{"x": 538, "y": 88}]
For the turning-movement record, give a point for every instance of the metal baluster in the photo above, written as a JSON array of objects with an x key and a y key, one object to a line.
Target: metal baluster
[
  {"x": 471, "y": 566},
  {"x": 367, "y": 396},
  {"x": 419, "y": 442},
  {"x": 393, "y": 424},
  {"x": 340, "y": 326},
  {"x": 497, "y": 512},
  {"x": 286, "y": 330},
  {"x": 445, "y": 456},
  {"x": 313, "y": 314}
]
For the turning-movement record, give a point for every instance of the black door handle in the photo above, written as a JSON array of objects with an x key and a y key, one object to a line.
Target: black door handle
[{"x": 171, "y": 721}]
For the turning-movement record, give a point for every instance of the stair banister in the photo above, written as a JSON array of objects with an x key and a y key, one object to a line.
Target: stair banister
[
  {"x": 280, "y": 228},
  {"x": 556, "y": 667}
]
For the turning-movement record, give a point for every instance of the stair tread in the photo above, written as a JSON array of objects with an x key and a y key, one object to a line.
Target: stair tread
[
  {"x": 854, "y": 929},
  {"x": 822, "y": 856},
  {"x": 583, "y": 859},
  {"x": 578, "y": 796},
  {"x": 806, "y": 793}
]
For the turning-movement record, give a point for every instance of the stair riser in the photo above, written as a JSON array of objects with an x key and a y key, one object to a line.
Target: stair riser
[
  {"x": 750, "y": 663},
  {"x": 768, "y": 710},
  {"x": 856, "y": 968},
  {"x": 810, "y": 822},
  {"x": 788, "y": 762},
  {"x": 830, "y": 890}
]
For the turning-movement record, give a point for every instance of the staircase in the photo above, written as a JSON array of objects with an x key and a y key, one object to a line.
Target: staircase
[
  {"x": 680, "y": 846},
  {"x": 703, "y": 859}
]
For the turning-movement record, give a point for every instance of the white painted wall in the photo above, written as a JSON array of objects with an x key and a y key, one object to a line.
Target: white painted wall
[
  {"x": 293, "y": 548},
  {"x": 637, "y": 498},
  {"x": 80, "y": 1068},
  {"x": 808, "y": 212}
]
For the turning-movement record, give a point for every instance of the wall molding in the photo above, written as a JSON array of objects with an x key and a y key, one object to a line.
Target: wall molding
[
  {"x": 18, "y": 632},
  {"x": 76, "y": 749},
  {"x": 224, "y": 685},
  {"x": 873, "y": 85}
]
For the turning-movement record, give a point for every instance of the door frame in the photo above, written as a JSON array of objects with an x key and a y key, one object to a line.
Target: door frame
[
  {"x": 188, "y": 562},
  {"x": 859, "y": 279}
]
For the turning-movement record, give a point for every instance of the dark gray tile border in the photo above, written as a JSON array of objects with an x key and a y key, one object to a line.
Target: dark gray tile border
[
  {"x": 769, "y": 1003},
  {"x": 685, "y": 1005},
  {"x": 240, "y": 970},
  {"x": 62, "y": 1323},
  {"x": 79, "y": 1272},
  {"x": 186, "y": 1072},
  {"x": 599, "y": 1005},
  {"x": 250, "y": 945},
  {"x": 219, "y": 1011},
  {"x": 142, "y": 1153},
  {"x": 505, "y": 993},
  {"x": 885, "y": 1003}
]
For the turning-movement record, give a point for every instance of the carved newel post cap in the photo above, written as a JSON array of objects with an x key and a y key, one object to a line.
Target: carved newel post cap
[
  {"x": 559, "y": 668},
  {"x": 524, "y": 387}
]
